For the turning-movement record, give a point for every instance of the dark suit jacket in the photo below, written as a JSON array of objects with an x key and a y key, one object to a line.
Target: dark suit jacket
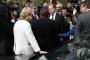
[
  {"x": 59, "y": 23},
  {"x": 45, "y": 33},
  {"x": 6, "y": 32}
]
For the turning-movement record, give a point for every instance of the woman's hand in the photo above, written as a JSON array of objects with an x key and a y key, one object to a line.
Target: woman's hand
[{"x": 43, "y": 52}]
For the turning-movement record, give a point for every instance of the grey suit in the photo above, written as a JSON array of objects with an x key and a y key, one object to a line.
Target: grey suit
[{"x": 83, "y": 25}]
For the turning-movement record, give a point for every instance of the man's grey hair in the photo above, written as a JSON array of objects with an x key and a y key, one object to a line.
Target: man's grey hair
[{"x": 59, "y": 5}]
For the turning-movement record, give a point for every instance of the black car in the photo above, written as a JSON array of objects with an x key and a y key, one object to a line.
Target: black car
[{"x": 64, "y": 52}]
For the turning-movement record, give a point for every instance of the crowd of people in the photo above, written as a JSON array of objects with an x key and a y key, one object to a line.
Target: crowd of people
[{"x": 40, "y": 28}]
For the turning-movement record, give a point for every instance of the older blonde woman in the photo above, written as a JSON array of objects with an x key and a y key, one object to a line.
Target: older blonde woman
[{"x": 25, "y": 42}]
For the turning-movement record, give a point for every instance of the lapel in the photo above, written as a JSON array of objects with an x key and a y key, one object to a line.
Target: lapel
[
  {"x": 49, "y": 16},
  {"x": 56, "y": 17}
]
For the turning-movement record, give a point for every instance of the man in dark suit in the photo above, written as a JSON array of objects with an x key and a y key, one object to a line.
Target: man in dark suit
[
  {"x": 6, "y": 32},
  {"x": 35, "y": 13},
  {"x": 57, "y": 18}
]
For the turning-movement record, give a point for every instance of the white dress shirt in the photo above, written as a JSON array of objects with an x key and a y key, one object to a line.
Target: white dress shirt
[
  {"x": 35, "y": 15},
  {"x": 52, "y": 16},
  {"x": 24, "y": 40}
]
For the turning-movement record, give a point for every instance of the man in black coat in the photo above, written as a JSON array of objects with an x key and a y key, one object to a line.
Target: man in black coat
[
  {"x": 57, "y": 18},
  {"x": 6, "y": 32},
  {"x": 45, "y": 33}
]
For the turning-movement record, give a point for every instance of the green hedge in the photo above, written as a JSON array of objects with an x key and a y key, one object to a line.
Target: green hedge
[{"x": 38, "y": 1}]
